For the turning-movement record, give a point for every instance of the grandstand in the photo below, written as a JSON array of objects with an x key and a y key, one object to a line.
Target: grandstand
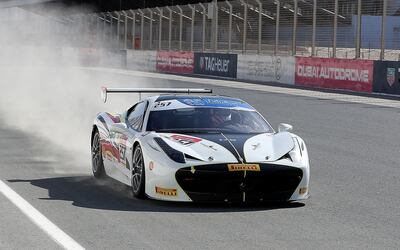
[{"x": 281, "y": 31}]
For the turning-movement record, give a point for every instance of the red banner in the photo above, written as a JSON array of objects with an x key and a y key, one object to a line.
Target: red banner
[
  {"x": 356, "y": 75},
  {"x": 175, "y": 62}
]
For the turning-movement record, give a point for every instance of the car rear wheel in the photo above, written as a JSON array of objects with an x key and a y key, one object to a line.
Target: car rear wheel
[
  {"x": 97, "y": 160},
  {"x": 138, "y": 175}
]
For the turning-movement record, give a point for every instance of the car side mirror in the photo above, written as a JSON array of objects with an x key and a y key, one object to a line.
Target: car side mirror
[{"x": 283, "y": 127}]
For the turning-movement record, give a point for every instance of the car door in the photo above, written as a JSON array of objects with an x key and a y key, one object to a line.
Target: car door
[{"x": 125, "y": 130}]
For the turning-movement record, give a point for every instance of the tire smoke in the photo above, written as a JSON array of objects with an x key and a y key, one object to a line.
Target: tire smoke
[{"x": 44, "y": 92}]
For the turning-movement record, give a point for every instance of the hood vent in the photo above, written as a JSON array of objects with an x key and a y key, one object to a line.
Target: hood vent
[{"x": 189, "y": 157}]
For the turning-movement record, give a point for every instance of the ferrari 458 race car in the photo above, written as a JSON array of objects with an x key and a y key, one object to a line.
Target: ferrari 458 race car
[{"x": 200, "y": 148}]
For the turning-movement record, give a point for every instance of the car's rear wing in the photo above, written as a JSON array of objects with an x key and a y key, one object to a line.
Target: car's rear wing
[{"x": 105, "y": 91}]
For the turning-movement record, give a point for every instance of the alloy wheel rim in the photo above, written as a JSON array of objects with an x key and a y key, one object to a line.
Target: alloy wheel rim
[
  {"x": 137, "y": 169},
  {"x": 96, "y": 153}
]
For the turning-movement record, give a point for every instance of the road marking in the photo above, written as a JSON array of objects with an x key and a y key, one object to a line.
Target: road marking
[
  {"x": 39, "y": 219},
  {"x": 252, "y": 86}
]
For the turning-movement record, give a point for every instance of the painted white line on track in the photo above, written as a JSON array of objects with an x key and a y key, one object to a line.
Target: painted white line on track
[
  {"x": 39, "y": 219},
  {"x": 259, "y": 87}
]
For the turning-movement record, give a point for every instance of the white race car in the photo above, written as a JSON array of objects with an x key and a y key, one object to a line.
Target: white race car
[{"x": 199, "y": 148}]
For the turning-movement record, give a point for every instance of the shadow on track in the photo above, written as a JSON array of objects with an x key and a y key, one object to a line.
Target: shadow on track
[{"x": 108, "y": 194}]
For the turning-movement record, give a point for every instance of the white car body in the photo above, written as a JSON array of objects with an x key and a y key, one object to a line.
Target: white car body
[{"x": 266, "y": 161}]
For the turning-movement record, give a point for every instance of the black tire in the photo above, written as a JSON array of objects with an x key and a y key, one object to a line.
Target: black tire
[
  {"x": 138, "y": 174},
  {"x": 97, "y": 159}
]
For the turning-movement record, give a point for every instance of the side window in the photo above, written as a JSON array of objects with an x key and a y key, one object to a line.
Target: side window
[{"x": 136, "y": 116}]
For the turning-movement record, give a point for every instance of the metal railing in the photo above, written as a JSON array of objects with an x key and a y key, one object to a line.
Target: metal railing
[{"x": 367, "y": 29}]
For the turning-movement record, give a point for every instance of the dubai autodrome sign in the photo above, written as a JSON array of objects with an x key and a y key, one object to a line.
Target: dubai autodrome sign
[
  {"x": 356, "y": 75},
  {"x": 215, "y": 64}
]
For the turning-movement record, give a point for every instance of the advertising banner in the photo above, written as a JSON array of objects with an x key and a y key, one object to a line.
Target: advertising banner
[
  {"x": 215, "y": 64},
  {"x": 175, "y": 62},
  {"x": 348, "y": 74},
  {"x": 142, "y": 60},
  {"x": 266, "y": 68},
  {"x": 386, "y": 77}
]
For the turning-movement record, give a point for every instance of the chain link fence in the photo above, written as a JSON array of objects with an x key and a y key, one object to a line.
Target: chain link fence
[{"x": 367, "y": 29}]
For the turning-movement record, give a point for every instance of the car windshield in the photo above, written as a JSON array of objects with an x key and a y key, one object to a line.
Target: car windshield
[{"x": 207, "y": 120}]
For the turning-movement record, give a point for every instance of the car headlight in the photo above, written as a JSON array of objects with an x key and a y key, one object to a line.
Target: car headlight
[
  {"x": 296, "y": 154},
  {"x": 172, "y": 153}
]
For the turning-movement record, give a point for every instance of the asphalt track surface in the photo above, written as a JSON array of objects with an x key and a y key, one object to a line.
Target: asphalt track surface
[{"x": 355, "y": 186}]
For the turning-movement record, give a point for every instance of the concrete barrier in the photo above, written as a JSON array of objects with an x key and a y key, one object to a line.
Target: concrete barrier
[
  {"x": 333, "y": 73},
  {"x": 113, "y": 58},
  {"x": 142, "y": 60}
]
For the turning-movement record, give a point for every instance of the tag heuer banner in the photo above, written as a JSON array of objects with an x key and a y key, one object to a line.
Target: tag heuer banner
[{"x": 215, "y": 64}]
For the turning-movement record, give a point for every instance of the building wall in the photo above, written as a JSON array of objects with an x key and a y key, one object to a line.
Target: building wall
[{"x": 371, "y": 31}]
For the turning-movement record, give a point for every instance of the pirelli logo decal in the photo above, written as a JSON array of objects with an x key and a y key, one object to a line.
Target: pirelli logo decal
[
  {"x": 243, "y": 167},
  {"x": 166, "y": 191}
]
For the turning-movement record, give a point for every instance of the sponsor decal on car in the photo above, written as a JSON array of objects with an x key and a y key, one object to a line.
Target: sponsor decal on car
[
  {"x": 122, "y": 154},
  {"x": 115, "y": 119},
  {"x": 255, "y": 146},
  {"x": 108, "y": 155},
  {"x": 166, "y": 191},
  {"x": 151, "y": 165},
  {"x": 117, "y": 146},
  {"x": 108, "y": 151},
  {"x": 185, "y": 140},
  {"x": 215, "y": 102},
  {"x": 243, "y": 167},
  {"x": 161, "y": 104}
]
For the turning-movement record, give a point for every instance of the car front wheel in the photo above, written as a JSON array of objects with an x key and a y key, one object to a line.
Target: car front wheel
[{"x": 138, "y": 175}]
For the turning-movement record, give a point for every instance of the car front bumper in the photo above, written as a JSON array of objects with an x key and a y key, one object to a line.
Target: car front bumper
[{"x": 216, "y": 183}]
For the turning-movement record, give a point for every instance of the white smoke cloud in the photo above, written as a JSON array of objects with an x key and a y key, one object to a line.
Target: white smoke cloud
[{"x": 43, "y": 93}]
